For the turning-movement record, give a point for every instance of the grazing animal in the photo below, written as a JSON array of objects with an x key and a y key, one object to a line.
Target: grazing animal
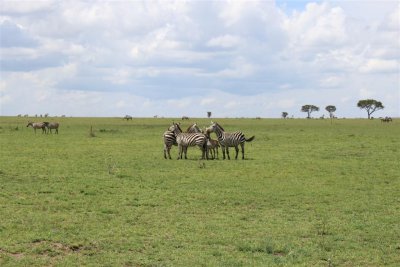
[
  {"x": 127, "y": 117},
  {"x": 184, "y": 140},
  {"x": 51, "y": 125},
  {"x": 227, "y": 140},
  {"x": 37, "y": 125},
  {"x": 185, "y": 117},
  {"x": 386, "y": 119}
]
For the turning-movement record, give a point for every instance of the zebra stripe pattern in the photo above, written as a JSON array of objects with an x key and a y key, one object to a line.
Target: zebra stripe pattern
[
  {"x": 170, "y": 139},
  {"x": 184, "y": 140},
  {"x": 227, "y": 140},
  {"x": 193, "y": 128}
]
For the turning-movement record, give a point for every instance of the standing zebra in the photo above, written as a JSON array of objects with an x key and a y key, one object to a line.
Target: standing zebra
[
  {"x": 184, "y": 140},
  {"x": 227, "y": 140},
  {"x": 212, "y": 146},
  {"x": 170, "y": 139},
  {"x": 37, "y": 125},
  {"x": 51, "y": 125}
]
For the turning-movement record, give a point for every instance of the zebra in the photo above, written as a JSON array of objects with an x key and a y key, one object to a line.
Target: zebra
[
  {"x": 170, "y": 139},
  {"x": 37, "y": 125},
  {"x": 212, "y": 146},
  {"x": 51, "y": 125},
  {"x": 184, "y": 140},
  {"x": 227, "y": 140}
]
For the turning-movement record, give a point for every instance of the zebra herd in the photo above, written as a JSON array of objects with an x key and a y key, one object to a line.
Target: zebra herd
[
  {"x": 45, "y": 126},
  {"x": 194, "y": 136}
]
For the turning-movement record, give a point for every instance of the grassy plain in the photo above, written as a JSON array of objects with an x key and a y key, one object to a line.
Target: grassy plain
[{"x": 310, "y": 193}]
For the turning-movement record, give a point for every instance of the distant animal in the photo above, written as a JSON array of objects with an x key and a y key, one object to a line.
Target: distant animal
[
  {"x": 386, "y": 119},
  {"x": 227, "y": 140},
  {"x": 185, "y": 117},
  {"x": 37, "y": 125},
  {"x": 184, "y": 140},
  {"x": 51, "y": 125},
  {"x": 127, "y": 117}
]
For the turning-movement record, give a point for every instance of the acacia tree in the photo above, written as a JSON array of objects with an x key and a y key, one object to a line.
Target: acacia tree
[
  {"x": 370, "y": 105},
  {"x": 284, "y": 114},
  {"x": 330, "y": 109},
  {"x": 309, "y": 109}
]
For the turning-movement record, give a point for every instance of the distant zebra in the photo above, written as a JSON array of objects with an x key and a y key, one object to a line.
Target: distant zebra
[
  {"x": 37, "y": 125},
  {"x": 184, "y": 140},
  {"x": 227, "y": 140},
  {"x": 51, "y": 125}
]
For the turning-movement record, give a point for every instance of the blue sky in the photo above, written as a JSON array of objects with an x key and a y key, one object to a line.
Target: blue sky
[{"x": 174, "y": 58}]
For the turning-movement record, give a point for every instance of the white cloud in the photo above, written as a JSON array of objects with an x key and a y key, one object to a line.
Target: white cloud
[
  {"x": 380, "y": 65},
  {"x": 225, "y": 41}
]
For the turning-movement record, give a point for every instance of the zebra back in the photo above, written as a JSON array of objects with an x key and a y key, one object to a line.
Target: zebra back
[{"x": 193, "y": 128}]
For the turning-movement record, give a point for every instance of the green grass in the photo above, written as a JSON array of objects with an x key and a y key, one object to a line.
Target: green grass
[{"x": 310, "y": 193}]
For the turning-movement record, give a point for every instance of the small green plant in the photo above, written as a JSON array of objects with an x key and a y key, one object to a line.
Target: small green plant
[{"x": 91, "y": 132}]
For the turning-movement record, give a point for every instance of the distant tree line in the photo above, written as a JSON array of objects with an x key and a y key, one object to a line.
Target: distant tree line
[{"x": 370, "y": 105}]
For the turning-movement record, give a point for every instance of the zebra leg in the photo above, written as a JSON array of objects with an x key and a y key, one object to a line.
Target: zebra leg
[
  {"x": 242, "y": 145},
  {"x": 223, "y": 152},
  {"x": 169, "y": 152},
  {"x": 185, "y": 150},
  {"x": 179, "y": 151},
  {"x": 227, "y": 152},
  {"x": 237, "y": 151}
]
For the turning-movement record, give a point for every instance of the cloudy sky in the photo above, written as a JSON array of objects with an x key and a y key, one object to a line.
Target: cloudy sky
[{"x": 173, "y": 58}]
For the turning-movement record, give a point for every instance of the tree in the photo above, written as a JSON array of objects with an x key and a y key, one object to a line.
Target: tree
[
  {"x": 330, "y": 109},
  {"x": 284, "y": 114},
  {"x": 370, "y": 105},
  {"x": 209, "y": 114},
  {"x": 309, "y": 109}
]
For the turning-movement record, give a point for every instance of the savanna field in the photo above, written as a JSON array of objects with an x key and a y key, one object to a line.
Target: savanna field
[{"x": 310, "y": 193}]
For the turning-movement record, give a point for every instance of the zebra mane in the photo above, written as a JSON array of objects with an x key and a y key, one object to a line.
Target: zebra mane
[
  {"x": 177, "y": 125},
  {"x": 193, "y": 125},
  {"x": 219, "y": 126}
]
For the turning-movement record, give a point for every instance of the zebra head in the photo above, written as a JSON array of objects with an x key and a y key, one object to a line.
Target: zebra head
[
  {"x": 29, "y": 124},
  {"x": 175, "y": 128},
  {"x": 171, "y": 128}
]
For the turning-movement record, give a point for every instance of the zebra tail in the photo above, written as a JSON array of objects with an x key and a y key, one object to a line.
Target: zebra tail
[{"x": 250, "y": 139}]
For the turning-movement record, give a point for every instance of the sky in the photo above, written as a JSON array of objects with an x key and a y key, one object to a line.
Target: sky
[{"x": 173, "y": 58}]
